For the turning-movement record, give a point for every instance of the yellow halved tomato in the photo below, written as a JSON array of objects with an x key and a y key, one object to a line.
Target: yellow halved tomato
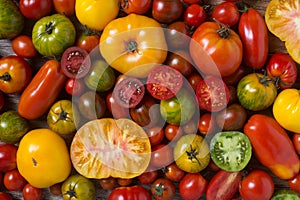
[
  {"x": 43, "y": 158},
  {"x": 282, "y": 18},
  {"x": 108, "y": 147}
]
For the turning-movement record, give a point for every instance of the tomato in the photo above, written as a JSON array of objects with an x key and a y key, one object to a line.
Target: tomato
[
  {"x": 212, "y": 94},
  {"x": 34, "y": 147},
  {"x": 22, "y": 45},
  {"x": 285, "y": 194},
  {"x": 216, "y": 49},
  {"x": 256, "y": 92},
  {"x": 191, "y": 1},
  {"x": 53, "y": 34},
  {"x": 166, "y": 11},
  {"x": 13, "y": 180},
  {"x": 223, "y": 185},
  {"x": 31, "y": 193},
  {"x": 164, "y": 82},
  {"x": 55, "y": 189},
  {"x": 135, "y": 192},
  {"x": 2, "y": 100},
  {"x": 148, "y": 177},
  {"x": 124, "y": 181},
  {"x": 35, "y": 9},
  {"x": 257, "y": 184},
  {"x": 161, "y": 156},
  {"x": 96, "y": 14},
  {"x": 234, "y": 78},
  {"x": 191, "y": 126},
  {"x": 207, "y": 124},
  {"x": 191, "y": 153},
  {"x": 63, "y": 117},
  {"x": 114, "y": 108},
  {"x": 254, "y": 35},
  {"x": 283, "y": 69},
  {"x": 230, "y": 150},
  {"x": 163, "y": 189},
  {"x": 133, "y": 54},
  {"x": 194, "y": 78},
  {"x": 173, "y": 132},
  {"x": 5, "y": 196},
  {"x": 173, "y": 172},
  {"x": 296, "y": 142},
  {"x": 156, "y": 135},
  {"x": 284, "y": 163},
  {"x": 38, "y": 96},
  {"x": 136, "y": 6},
  {"x": 15, "y": 74},
  {"x": 66, "y": 7},
  {"x": 88, "y": 41},
  {"x": 194, "y": 15},
  {"x": 192, "y": 186},
  {"x": 74, "y": 87},
  {"x": 181, "y": 61},
  {"x": 294, "y": 183},
  {"x": 226, "y": 13},
  {"x": 280, "y": 20},
  {"x": 78, "y": 187},
  {"x": 177, "y": 35},
  {"x": 107, "y": 183},
  {"x": 8, "y": 154}
]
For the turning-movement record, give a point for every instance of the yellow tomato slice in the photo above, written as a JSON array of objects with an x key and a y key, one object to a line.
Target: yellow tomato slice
[
  {"x": 283, "y": 20},
  {"x": 108, "y": 147}
]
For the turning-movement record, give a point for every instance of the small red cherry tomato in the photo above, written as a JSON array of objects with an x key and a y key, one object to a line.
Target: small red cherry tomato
[
  {"x": 8, "y": 153},
  {"x": 148, "y": 177},
  {"x": 66, "y": 7},
  {"x": 35, "y": 9},
  {"x": 194, "y": 15},
  {"x": 173, "y": 132},
  {"x": 294, "y": 183},
  {"x": 31, "y": 193},
  {"x": 296, "y": 142},
  {"x": 74, "y": 87},
  {"x": 156, "y": 135},
  {"x": 163, "y": 189},
  {"x": 22, "y": 45},
  {"x": 192, "y": 186},
  {"x": 162, "y": 155},
  {"x": 226, "y": 13},
  {"x": 87, "y": 42},
  {"x": 207, "y": 123},
  {"x": 13, "y": 180},
  {"x": 173, "y": 172}
]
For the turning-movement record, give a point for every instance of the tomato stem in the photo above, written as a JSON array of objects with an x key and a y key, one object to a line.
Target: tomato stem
[
  {"x": 159, "y": 190},
  {"x": 265, "y": 80},
  {"x": 224, "y": 30},
  {"x": 5, "y": 77},
  {"x": 132, "y": 46}
]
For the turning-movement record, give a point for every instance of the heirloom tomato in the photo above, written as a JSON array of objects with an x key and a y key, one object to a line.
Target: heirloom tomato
[
  {"x": 283, "y": 163},
  {"x": 96, "y": 14},
  {"x": 135, "y": 192},
  {"x": 22, "y": 45},
  {"x": 166, "y": 11},
  {"x": 192, "y": 186},
  {"x": 136, "y": 6},
  {"x": 36, "y": 154},
  {"x": 66, "y": 7},
  {"x": 286, "y": 109},
  {"x": 38, "y": 96},
  {"x": 256, "y": 91},
  {"x": 216, "y": 49},
  {"x": 8, "y": 154},
  {"x": 254, "y": 35},
  {"x": 15, "y": 74},
  {"x": 282, "y": 19},
  {"x": 36, "y": 9},
  {"x": 128, "y": 46},
  {"x": 163, "y": 189},
  {"x": 31, "y": 193},
  {"x": 13, "y": 180},
  {"x": 52, "y": 34},
  {"x": 98, "y": 141}
]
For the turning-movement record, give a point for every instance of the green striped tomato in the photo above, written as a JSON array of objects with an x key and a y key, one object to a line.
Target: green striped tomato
[{"x": 256, "y": 92}]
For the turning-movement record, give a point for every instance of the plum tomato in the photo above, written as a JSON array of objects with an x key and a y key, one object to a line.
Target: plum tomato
[
  {"x": 173, "y": 172},
  {"x": 226, "y": 13},
  {"x": 22, "y": 45},
  {"x": 148, "y": 176},
  {"x": 114, "y": 108},
  {"x": 129, "y": 92},
  {"x": 136, "y": 6},
  {"x": 13, "y": 180},
  {"x": 212, "y": 94},
  {"x": 207, "y": 124},
  {"x": 163, "y": 189},
  {"x": 164, "y": 82},
  {"x": 194, "y": 15},
  {"x": 5, "y": 196},
  {"x": 156, "y": 135},
  {"x": 180, "y": 60},
  {"x": 75, "y": 62},
  {"x": 30, "y": 192},
  {"x": 8, "y": 153},
  {"x": 177, "y": 35},
  {"x": 166, "y": 11},
  {"x": 230, "y": 150},
  {"x": 35, "y": 9},
  {"x": 74, "y": 87},
  {"x": 161, "y": 156},
  {"x": 192, "y": 186},
  {"x": 294, "y": 183},
  {"x": 173, "y": 132},
  {"x": 296, "y": 142},
  {"x": 258, "y": 184}
]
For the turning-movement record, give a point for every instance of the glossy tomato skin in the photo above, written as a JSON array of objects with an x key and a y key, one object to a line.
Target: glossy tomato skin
[
  {"x": 177, "y": 36},
  {"x": 284, "y": 163},
  {"x": 156, "y": 135},
  {"x": 22, "y": 45},
  {"x": 38, "y": 96},
  {"x": 181, "y": 61},
  {"x": 191, "y": 1},
  {"x": 254, "y": 35},
  {"x": 194, "y": 15},
  {"x": 15, "y": 74},
  {"x": 13, "y": 180},
  {"x": 166, "y": 11},
  {"x": 136, "y": 6},
  {"x": 192, "y": 186},
  {"x": 114, "y": 108},
  {"x": 8, "y": 154},
  {"x": 226, "y": 13},
  {"x": 135, "y": 192},
  {"x": 31, "y": 193},
  {"x": 107, "y": 183},
  {"x": 66, "y": 7},
  {"x": 207, "y": 123},
  {"x": 87, "y": 42},
  {"x": 163, "y": 189},
  {"x": 36, "y": 9},
  {"x": 74, "y": 87},
  {"x": 257, "y": 184},
  {"x": 294, "y": 183},
  {"x": 148, "y": 177},
  {"x": 162, "y": 156},
  {"x": 5, "y": 196},
  {"x": 173, "y": 132},
  {"x": 296, "y": 142},
  {"x": 173, "y": 172}
]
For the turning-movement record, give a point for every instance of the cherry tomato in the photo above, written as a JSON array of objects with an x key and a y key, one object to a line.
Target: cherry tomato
[
  {"x": 66, "y": 7},
  {"x": 87, "y": 42},
  {"x": 258, "y": 184},
  {"x": 5, "y": 196},
  {"x": 2, "y": 100},
  {"x": 194, "y": 15},
  {"x": 191, "y": 1},
  {"x": 55, "y": 189},
  {"x": 192, "y": 186},
  {"x": 163, "y": 189},
  {"x": 166, "y": 11},
  {"x": 13, "y": 180},
  {"x": 31, "y": 193},
  {"x": 156, "y": 135},
  {"x": 177, "y": 35},
  {"x": 8, "y": 154},
  {"x": 136, "y": 6},
  {"x": 226, "y": 13},
  {"x": 114, "y": 108},
  {"x": 108, "y": 183},
  {"x": 162, "y": 155},
  {"x": 234, "y": 78},
  {"x": 296, "y": 142},
  {"x": 22, "y": 45},
  {"x": 173, "y": 132},
  {"x": 148, "y": 177},
  {"x": 207, "y": 124},
  {"x": 173, "y": 172},
  {"x": 36, "y": 9},
  {"x": 124, "y": 181},
  {"x": 74, "y": 87},
  {"x": 180, "y": 60},
  {"x": 194, "y": 78},
  {"x": 135, "y": 192},
  {"x": 294, "y": 183}
]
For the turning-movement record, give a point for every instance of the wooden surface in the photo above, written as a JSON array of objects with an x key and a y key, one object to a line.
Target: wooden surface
[{"x": 12, "y": 100}]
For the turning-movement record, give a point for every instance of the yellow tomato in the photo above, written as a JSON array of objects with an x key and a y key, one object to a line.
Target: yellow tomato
[
  {"x": 43, "y": 158},
  {"x": 133, "y": 44},
  {"x": 282, "y": 18},
  {"x": 286, "y": 109},
  {"x": 95, "y": 14}
]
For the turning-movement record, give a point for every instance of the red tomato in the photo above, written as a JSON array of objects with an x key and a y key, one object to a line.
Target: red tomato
[
  {"x": 163, "y": 189},
  {"x": 194, "y": 78},
  {"x": 166, "y": 11},
  {"x": 124, "y": 181},
  {"x": 136, "y": 192},
  {"x": 2, "y": 100},
  {"x": 22, "y": 45},
  {"x": 207, "y": 124},
  {"x": 223, "y": 185},
  {"x": 108, "y": 183},
  {"x": 162, "y": 155},
  {"x": 283, "y": 69},
  {"x": 13, "y": 180},
  {"x": 5, "y": 196},
  {"x": 74, "y": 87},
  {"x": 258, "y": 185},
  {"x": 294, "y": 183},
  {"x": 194, "y": 15},
  {"x": 173, "y": 132},
  {"x": 114, "y": 108},
  {"x": 180, "y": 60},
  {"x": 192, "y": 186},
  {"x": 8, "y": 153},
  {"x": 38, "y": 96},
  {"x": 226, "y": 13},
  {"x": 31, "y": 193},
  {"x": 173, "y": 172},
  {"x": 87, "y": 42},
  {"x": 234, "y": 78},
  {"x": 148, "y": 177},
  {"x": 296, "y": 142},
  {"x": 66, "y": 7},
  {"x": 191, "y": 1},
  {"x": 136, "y": 6},
  {"x": 156, "y": 135},
  {"x": 177, "y": 35},
  {"x": 36, "y": 9},
  {"x": 254, "y": 35}
]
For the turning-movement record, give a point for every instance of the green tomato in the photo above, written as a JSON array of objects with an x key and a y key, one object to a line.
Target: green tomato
[
  {"x": 178, "y": 109},
  {"x": 51, "y": 35}
]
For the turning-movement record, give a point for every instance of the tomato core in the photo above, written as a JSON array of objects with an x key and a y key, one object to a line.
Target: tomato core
[
  {"x": 5, "y": 77},
  {"x": 132, "y": 46}
]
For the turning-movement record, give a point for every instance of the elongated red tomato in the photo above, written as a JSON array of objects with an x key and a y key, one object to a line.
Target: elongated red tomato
[
  {"x": 272, "y": 146},
  {"x": 254, "y": 35},
  {"x": 42, "y": 91}
]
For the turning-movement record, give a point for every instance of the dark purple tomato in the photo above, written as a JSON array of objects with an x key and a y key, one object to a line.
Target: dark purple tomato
[
  {"x": 181, "y": 61},
  {"x": 91, "y": 105},
  {"x": 177, "y": 35},
  {"x": 167, "y": 11},
  {"x": 194, "y": 15},
  {"x": 226, "y": 13}
]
